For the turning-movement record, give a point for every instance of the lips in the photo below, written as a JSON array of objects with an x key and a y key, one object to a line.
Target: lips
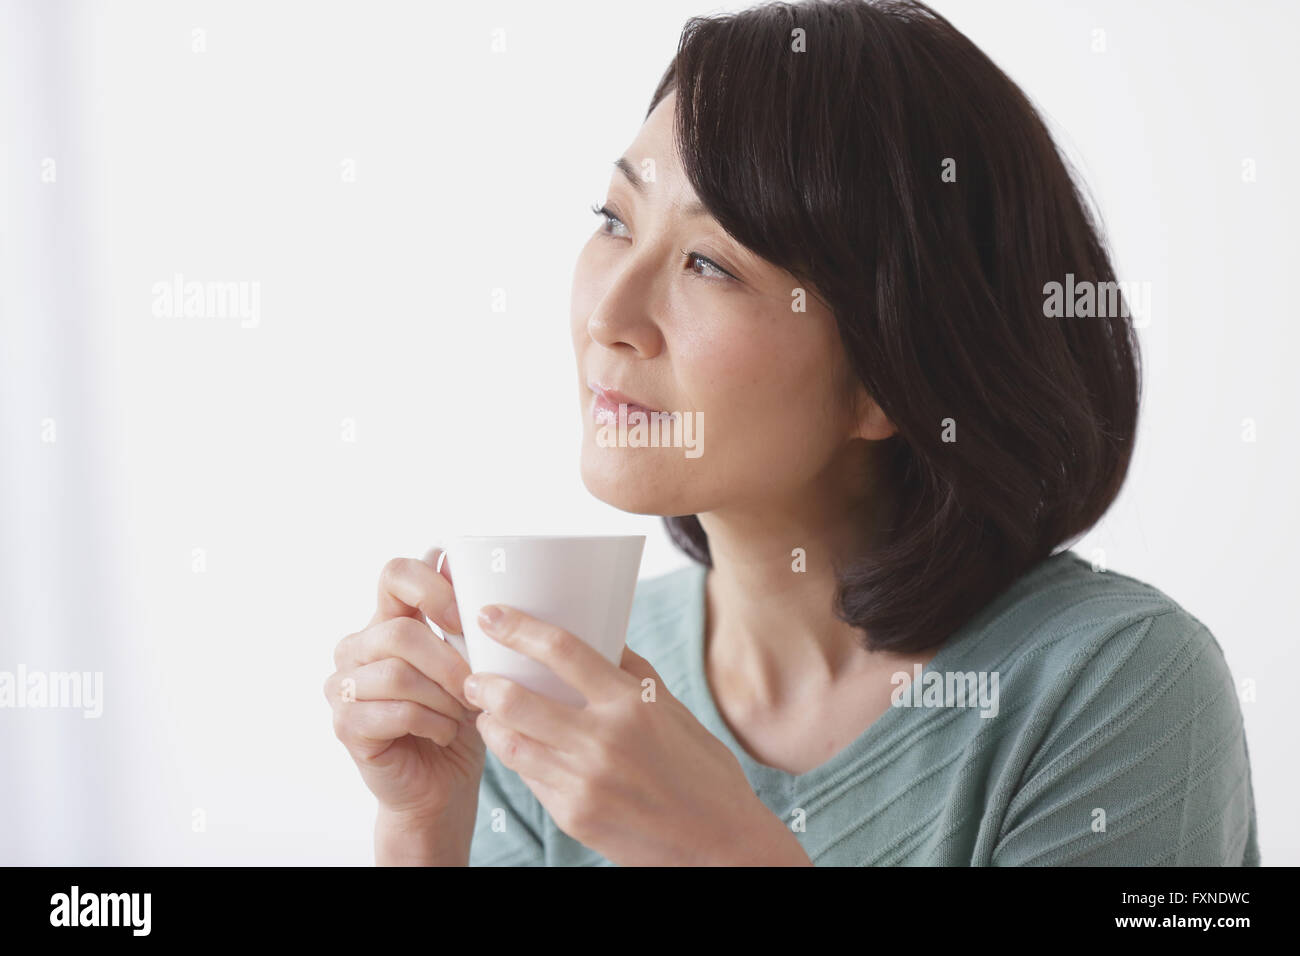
[
  {"x": 613, "y": 397},
  {"x": 606, "y": 401}
]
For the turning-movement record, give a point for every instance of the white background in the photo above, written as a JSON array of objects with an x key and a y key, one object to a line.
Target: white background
[{"x": 474, "y": 172}]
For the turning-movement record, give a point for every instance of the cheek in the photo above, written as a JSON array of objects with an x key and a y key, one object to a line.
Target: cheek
[
  {"x": 767, "y": 398},
  {"x": 755, "y": 379}
]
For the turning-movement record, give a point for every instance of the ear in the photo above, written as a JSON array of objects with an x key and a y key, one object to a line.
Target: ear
[{"x": 872, "y": 423}]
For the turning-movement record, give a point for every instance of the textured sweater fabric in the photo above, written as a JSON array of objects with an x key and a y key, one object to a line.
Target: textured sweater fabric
[{"x": 1117, "y": 741}]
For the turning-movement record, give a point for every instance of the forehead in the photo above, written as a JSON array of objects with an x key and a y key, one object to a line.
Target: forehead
[
  {"x": 653, "y": 161},
  {"x": 661, "y": 117}
]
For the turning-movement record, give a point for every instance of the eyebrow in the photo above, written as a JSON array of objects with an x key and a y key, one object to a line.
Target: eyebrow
[{"x": 625, "y": 167}]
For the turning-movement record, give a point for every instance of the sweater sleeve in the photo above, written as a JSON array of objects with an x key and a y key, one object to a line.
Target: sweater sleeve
[
  {"x": 1141, "y": 762},
  {"x": 508, "y": 826}
]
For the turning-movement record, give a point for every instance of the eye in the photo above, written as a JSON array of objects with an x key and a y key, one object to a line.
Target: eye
[
  {"x": 609, "y": 217},
  {"x": 719, "y": 273},
  {"x": 713, "y": 271}
]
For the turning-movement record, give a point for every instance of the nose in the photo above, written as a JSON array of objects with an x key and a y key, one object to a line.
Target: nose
[{"x": 623, "y": 318}]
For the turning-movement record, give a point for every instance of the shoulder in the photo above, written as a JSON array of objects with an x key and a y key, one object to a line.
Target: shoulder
[
  {"x": 1065, "y": 621},
  {"x": 1063, "y": 614},
  {"x": 1125, "y": 708}
]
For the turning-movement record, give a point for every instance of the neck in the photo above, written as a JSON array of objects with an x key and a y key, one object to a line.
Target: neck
[{"x": 770, "y": 626}]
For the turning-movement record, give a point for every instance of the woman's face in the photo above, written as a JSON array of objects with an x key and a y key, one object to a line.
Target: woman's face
[{"x": 753, "y": 378}]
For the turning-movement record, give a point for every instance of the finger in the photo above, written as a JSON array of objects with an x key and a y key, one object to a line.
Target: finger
[
  {"x": 638, "y": 666},
  {"x": 414, "y": 642},
  {"x": 395, "y": 679},
  {"x": 436, "y": 557},
  {"x": 550, "y": 722},
  {"x": 574, "y": 661},
  {"x": 521, "y": 753},
  {"x": 368, "y": 727},
  {"x": 412, "y": 588}
]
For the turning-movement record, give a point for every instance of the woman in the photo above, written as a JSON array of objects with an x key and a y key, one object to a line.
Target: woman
[{"x": 832, "y": 241}]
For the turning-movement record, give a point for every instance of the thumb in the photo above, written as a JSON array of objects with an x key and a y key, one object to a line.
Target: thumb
[{"x": 436, "y": 557}]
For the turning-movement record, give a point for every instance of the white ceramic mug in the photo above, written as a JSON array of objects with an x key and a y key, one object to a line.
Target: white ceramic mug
[{"x": 583, "y": 584}]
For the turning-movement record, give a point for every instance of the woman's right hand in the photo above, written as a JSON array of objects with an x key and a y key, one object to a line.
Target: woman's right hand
[{"x": 398, "y": 702}]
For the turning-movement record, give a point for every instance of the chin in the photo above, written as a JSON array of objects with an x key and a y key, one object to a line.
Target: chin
[{"x": 631, "y": 480}]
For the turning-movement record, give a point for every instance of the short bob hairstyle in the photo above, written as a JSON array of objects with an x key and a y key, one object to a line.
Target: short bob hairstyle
[{"x": 875, "y": 153}]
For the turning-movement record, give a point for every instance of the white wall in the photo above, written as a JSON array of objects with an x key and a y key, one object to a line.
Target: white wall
[{"x": 474, "y": 170}]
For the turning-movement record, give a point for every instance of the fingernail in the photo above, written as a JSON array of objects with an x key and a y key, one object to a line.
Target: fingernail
[
  {"x": 471, "y": 686},
  {"x": 489, "y": 617}
]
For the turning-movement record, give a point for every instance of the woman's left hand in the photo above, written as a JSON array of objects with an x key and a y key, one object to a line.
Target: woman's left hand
[{"x": 632, "y": 775}]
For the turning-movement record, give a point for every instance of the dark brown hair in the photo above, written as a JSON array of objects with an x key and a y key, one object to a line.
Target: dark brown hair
[{"x": 828, "y": 163}]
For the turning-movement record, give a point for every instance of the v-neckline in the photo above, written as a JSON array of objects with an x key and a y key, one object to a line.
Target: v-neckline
[{"x": 888, "y": 726}]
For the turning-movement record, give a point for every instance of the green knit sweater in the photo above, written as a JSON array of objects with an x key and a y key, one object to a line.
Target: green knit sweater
[{"x": 1115, "y": 738}]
